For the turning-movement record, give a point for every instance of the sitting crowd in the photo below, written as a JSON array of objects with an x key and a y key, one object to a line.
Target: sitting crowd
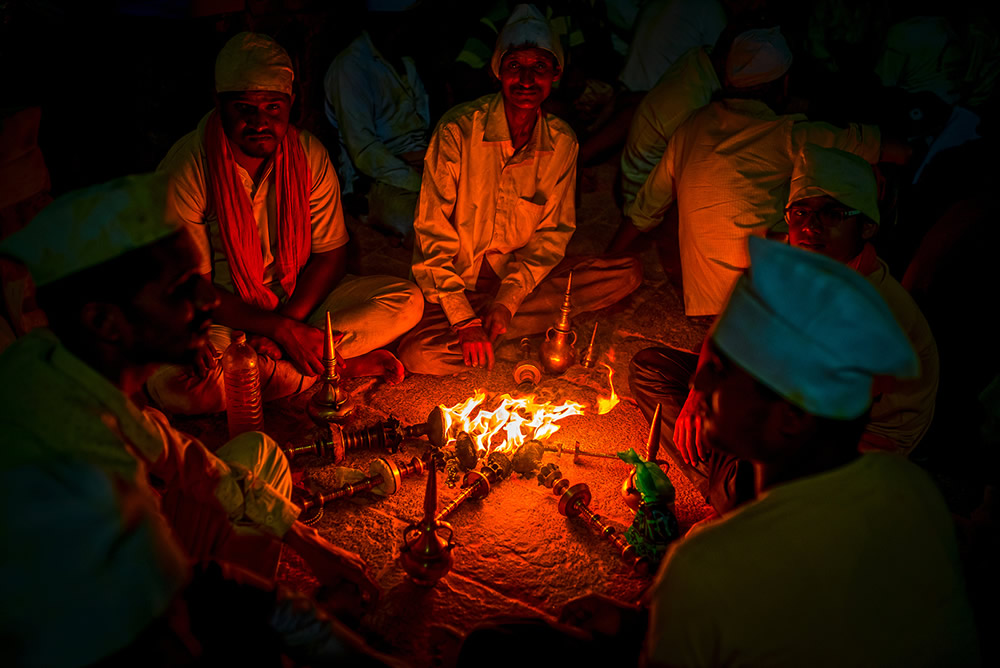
[{"x": 797, "y": 419}]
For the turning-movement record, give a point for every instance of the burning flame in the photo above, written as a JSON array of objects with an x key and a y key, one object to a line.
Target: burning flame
[
  {"x": 512, "y": 422},
  {"x": 605, "y": 405}
]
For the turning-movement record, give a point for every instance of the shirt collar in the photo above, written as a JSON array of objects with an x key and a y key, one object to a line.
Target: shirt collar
[{"x": 498, "y": 130}]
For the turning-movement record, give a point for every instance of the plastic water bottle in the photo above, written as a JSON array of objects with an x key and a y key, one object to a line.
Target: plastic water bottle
[{"x": 242, "y": 377}]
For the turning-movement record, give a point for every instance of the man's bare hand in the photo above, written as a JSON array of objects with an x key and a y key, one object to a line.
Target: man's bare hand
[
  {"x": 265, "y": 346},
  {"x": 206, "y": 359},
  {"x": 688, "y": 437},
  {"x": 476, "y": 347},
  {"x": 342, "y": 573},
  {"x": 497, "y": 321},
  {"x": 600, "y": 614},
  {"x": 303, "y": 346}
]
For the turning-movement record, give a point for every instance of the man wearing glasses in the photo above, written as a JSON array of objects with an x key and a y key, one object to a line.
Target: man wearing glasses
[{"x": 833, "y": 211}]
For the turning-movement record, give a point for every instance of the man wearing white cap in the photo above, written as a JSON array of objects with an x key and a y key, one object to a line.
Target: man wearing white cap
[
  {"x": 263, "y": 202},
  {"x": 106, "y": 505},
  {"x": 728, "y": 168},
  {"x": 377, "y": 102},
  {"x": 833, "y": 210},
  {"x": 843, "y": 558},
  {"x": 496, "y": 212}
]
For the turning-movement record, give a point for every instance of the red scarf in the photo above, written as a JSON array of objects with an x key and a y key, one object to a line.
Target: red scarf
[
  {"x": 866, "y": 262},
  {"x": 238, "y": 227}
]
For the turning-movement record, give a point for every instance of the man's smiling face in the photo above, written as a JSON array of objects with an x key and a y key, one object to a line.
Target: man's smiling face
[{"x": 526, "y": 77}]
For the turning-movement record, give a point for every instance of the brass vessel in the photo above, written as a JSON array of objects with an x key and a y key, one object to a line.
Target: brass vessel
[{"x": 557, "y": 352}]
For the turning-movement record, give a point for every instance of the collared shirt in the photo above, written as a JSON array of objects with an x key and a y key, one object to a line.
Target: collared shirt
[
  {"x": 686, "y": 87},
  {"x": 187, "y": 165},
  {"x": 482, "y": 200},
  {"x": 380, "y": 113},
  {"x": 854, "y": 566},
  {"x": 55, "y": 406},
  {"x": 729, "y": 169},
  {"x": 664, "y": 30}
]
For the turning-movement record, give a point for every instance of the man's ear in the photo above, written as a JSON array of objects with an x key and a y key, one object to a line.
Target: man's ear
[
  {"x": 558, "y": 73},
  {"x": 869, "y": 229},
  {"x": 104, "y": 322},
  {"x": 794, "y": 422}
]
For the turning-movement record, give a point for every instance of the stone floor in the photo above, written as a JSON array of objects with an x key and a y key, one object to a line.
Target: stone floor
[{"x": 515, "y": 555}]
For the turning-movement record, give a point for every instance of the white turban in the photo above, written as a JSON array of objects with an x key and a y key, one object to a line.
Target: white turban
[
  {"x": 843, "y": 176},
  {"x": 526, "y": 27},
  {"x": 251, "y": 61},
  {"x": 88, "y": 227},
  {"x": 757, "y": 57},
  {"x": 813, "y": 330}
]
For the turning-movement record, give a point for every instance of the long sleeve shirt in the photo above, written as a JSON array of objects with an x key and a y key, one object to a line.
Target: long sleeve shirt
[
  {"x": 380, "y": 113},
  {"x": 729, "y": 169},
  {"x": 481, "y": 200}
]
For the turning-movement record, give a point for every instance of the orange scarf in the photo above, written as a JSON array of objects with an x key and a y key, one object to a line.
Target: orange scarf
[{"x": 238, "y": 227}]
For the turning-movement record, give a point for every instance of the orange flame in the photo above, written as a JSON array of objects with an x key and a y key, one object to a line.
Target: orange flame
[
  {"x": 517, "y": 419},
  {"x": 604, "y": 405}
]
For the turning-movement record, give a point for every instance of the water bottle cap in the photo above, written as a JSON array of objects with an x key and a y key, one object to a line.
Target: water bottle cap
[{"x": 238, "y": 337}]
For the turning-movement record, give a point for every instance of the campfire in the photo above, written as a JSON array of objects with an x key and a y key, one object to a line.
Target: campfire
[{"x": 513, "y": 421}]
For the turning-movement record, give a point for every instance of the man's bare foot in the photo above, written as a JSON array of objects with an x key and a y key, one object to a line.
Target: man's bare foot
[{"x": 379, "y": 363}]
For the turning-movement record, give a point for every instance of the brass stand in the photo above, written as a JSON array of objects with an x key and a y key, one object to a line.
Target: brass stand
[
  {"x": 477, "y": 484},
  {"x": 329, "y": 403},
  {"x": 426, "y": 552},
  {"x": 589, "y": 357},
  {"x": 384, "y": 477}
]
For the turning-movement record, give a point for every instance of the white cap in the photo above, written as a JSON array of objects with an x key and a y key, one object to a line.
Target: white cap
[
  {"x": 845, "y": 177},
  {"x": 526, "y": 27},
  {"x": 252, "y": 61},
  {"x": 88, "y": 227},
  {"x": 813, "y": 330},
  {"x": 757, "y": 57}
]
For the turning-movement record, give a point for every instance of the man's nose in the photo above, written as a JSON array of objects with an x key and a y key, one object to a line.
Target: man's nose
[{"x": 527, "y": 76}]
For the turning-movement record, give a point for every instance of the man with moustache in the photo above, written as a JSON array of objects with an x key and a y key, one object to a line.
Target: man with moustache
[
  {"x": 496, "y": 212},
  {"x": 106, "y": 506},
  {"x": 263, "y": 203}
]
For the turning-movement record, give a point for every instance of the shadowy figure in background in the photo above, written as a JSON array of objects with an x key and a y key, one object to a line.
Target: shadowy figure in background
[
  {"x": 263, "y": 202},
  {"x": 377, "y": 102}
]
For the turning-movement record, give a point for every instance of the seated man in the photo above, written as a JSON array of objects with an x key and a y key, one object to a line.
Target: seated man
[
  {"x": 833, "y": 210},
  {"x": 107, "y": 505},
  {"x": 264, "y": 204},
  {"x": 728, "y": 168},
  {"x": 495, "y": 214},
  {"x": 844, "y": 558},
  {"x": 377, "y": 102}
]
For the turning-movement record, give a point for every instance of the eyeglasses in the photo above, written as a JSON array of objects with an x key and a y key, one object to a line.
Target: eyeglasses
[{"x": 830, "y": 216}]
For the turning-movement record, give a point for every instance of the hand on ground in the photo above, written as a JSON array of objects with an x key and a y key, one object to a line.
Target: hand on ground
[
  {"x": 688, "y": 436},
  {"x": 206, "y": 359},
  {"x": 477, "y": 350},
  {"x": 497, "y": 321}
]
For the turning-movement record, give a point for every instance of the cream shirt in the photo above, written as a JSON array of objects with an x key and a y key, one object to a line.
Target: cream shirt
[
  {"x": 857, "y": 566},
  {"x": 482, "y": 201},
  {"x": 187, "y": 165},
  {"x": 686, "y": 87},
  {"x": 729, "y": 168}
]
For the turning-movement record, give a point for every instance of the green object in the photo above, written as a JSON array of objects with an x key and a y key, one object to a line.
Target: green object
[{"x": 652, "y": 483}]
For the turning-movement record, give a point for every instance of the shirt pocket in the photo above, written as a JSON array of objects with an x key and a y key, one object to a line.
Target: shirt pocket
[{"x": 524, "y": 220}]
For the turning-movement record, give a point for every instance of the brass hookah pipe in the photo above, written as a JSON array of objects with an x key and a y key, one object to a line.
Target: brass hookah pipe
[
  {"x": 477, "y": 484},
  {"x": 388, "y": 434},
  {"x": 382, "y": 473},
  {"x": 575, "y": 502}
]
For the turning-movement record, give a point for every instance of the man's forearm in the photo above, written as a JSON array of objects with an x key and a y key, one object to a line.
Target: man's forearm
[
  {"x": 235, "y": 313},
  {"x": 321, "y": 274}
]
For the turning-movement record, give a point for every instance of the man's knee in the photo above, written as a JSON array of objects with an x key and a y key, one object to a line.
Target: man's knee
[
  {"x": 178, "y": 390},
  {"x": 259, "y": 453},
  {"x": 412, "y": 306}
]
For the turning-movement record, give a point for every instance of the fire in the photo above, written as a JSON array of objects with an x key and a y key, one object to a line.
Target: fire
[
  {"x": 511, "y": 423},
  {"x": 605, "y": 405}
]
